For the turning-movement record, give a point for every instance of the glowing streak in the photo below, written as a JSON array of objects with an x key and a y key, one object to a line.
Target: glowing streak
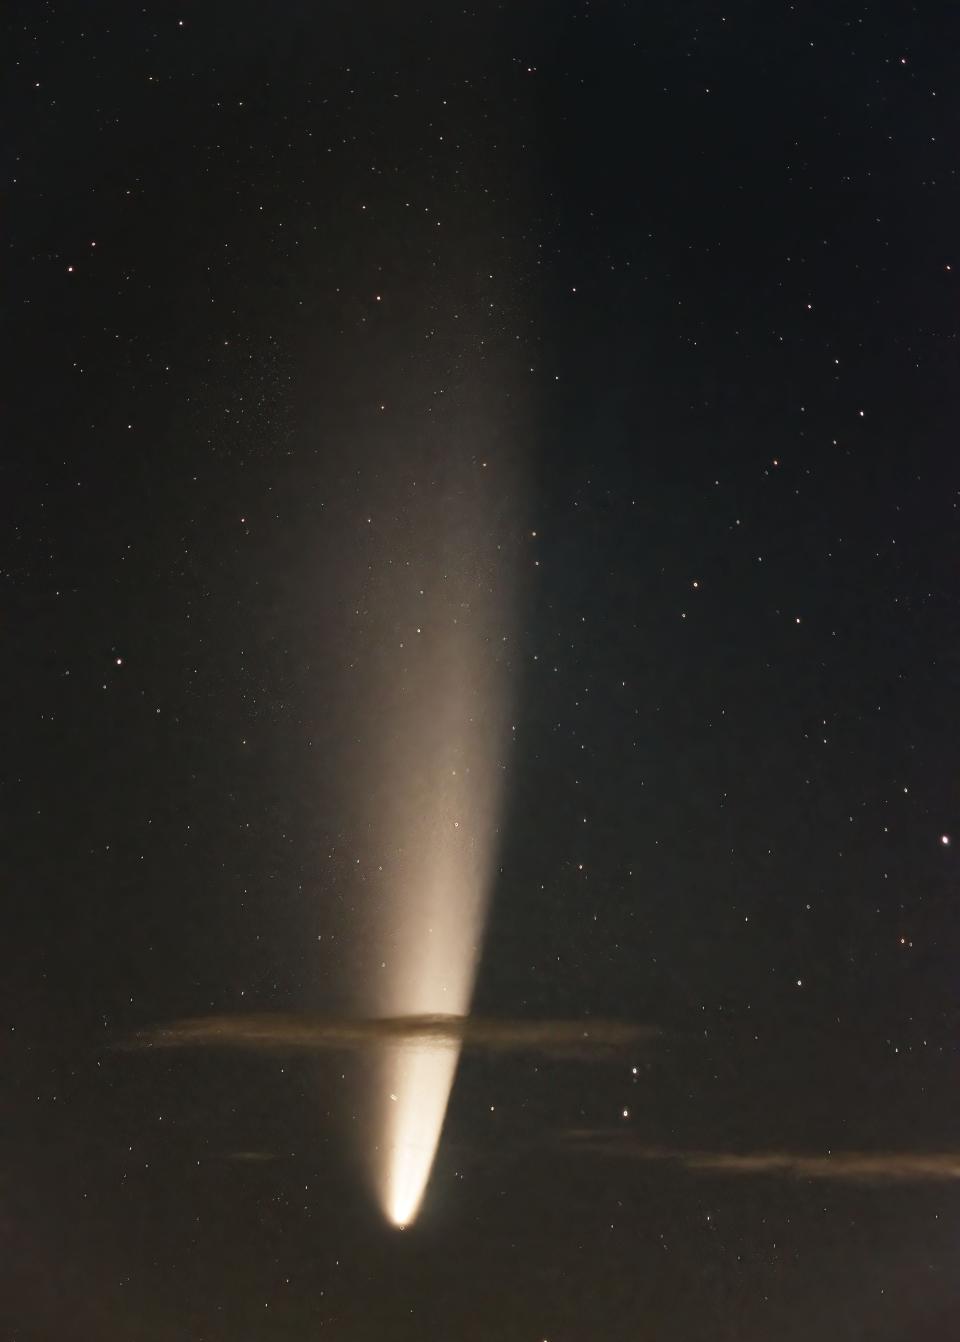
[
  {"x": 434, "y": 923},
  {"x": 423, "y": 1077},
  {"x": 432, "y": 813}
]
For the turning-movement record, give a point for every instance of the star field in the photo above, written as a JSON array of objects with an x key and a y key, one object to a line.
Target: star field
[{"x": 325, "y": 327}]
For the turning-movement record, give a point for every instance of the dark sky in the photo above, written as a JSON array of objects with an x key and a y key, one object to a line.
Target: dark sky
[{"x": 688, "y": 281}]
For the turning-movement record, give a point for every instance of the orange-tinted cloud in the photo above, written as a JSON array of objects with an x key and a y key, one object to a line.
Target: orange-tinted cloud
[
  {"x": 841, "y": 1166},
  {"x": 283, "y": 1032}
]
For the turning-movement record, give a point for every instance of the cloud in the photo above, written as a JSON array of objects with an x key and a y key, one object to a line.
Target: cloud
[
  {"x": 860, "y": 1167},
  {"x": 313, "y": 1033},
  {"x": 251, "y": 1157}
]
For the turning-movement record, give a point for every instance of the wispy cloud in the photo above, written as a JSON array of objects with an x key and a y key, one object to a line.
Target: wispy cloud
[
  {"x": 322, "y": 1034},
  {"x": 251, "y": 1157},
  {"x": 841, "y": 1166}
]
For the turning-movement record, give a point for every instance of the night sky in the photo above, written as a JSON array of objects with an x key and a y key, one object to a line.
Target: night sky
[{"x": 626, "y": 335}]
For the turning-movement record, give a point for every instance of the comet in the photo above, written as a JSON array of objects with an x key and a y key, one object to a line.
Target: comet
[
  {"x": 435, "y": 736},
  {"x": 446, "y": 822}
]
